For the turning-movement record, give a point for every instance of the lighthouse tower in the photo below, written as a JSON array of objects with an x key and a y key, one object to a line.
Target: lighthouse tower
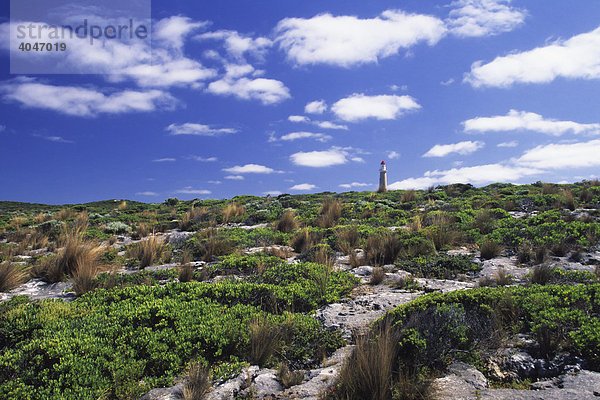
[{"x": 382, "y": 178}]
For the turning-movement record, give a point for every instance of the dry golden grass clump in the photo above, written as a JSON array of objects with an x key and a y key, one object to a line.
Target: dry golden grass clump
[
  {"x": 287, "y": 223},
  {"x": 377, "y": 276},
  {"x": 441, "y": 231},
  {"x": 192, "y": 215},
  {"x": 416, "y": 225},
  {"x": 214, "y": 245},
  {"x": 490, "y": 249},
  {"x": 186, "y": 270},
  {"x": 408, "y": 196},
  {"x": 11, "y": 276},
  {"x": 122, "y": 205},
  {"x": 348, "y": 239},
  {"x": 232, "y": 210},
  {"x": 331, "y": 211},
  {"x": 382, "y": 249},
  {"x": 66, "y": 213},
  {"x": 303, "y": 240},
  {"x": 147, "y": 251},
  {"x": 197, "y": 382},
  {"x": 371, "y": 371},
  {"x": 265, "y": 340},
  {"x": 289, "y": 378}
]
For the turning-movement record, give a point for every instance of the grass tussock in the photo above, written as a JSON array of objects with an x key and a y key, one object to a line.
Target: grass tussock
[
  {"x": 503, "y": 278},
  {"x": 214, "y": 245},
  {"x": 192, "y": 216},
  {"x": 76, "y": 251},
  {"x": 232, "y": 210},
  {"x": 408, "y": 196},
  {"x": 371, "y": 370},
  {"x": 265, "y": 338},
  {"x": 287, "y": 223},
  {"x": 147, "y": 251},
  {"x": 122, "y": 206},
  {"x": 331, "y": 211},
  {"x": 66, "y": 213},
  {"x": 287, "y": 377},
  {"x": 197, "y": 382},
  {"x": 541, "y": 274},
  {"x": 11, "y": 276},
  {"x": 377, "y": 276},
  {"x": 303, "y": 240},
  {"x": 348, "y": 239},
  {"x": 186, "y": 270},
  {"x": 490, "y": 249},
  {"x": 416, "y": 225},
  {"x": 382, "y": 249},
  {"x": 441, "y": 231}
]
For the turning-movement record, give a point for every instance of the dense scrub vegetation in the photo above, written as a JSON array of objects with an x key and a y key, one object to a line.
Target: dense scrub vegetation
[{"x": 212, "y": 308}]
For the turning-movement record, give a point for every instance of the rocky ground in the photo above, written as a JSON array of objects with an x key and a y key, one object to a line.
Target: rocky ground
[{"x": 563, "y": 379}]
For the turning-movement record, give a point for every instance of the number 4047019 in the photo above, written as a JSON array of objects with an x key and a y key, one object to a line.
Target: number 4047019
[{"x": 42, "y": 46}]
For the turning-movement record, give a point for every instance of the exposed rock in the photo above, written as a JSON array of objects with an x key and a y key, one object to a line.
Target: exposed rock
[
  {"x": 364, "y": 270},
  {"x": 266, "y": 383},
  {"x": 443, "y": 286},
  {"x": 462, "y": 383},
  {"x": 177, "y": 238},
  {"x": 37, "y": 289}
]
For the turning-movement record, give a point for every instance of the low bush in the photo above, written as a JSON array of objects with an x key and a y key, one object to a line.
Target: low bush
[{"x": 442, "y": 266}]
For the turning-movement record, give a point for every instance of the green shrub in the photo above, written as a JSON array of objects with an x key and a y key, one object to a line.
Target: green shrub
[{"x": 442, "y": 266}]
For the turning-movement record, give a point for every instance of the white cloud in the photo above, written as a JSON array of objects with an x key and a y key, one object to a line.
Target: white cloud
[
  {"x": 348, "y": 40},
  {"x": 477, "y": 175},
  {"x": 268, "y": 91},
  {"x": 320, "y": 137},
  {"x": 238, "y": 45},
  {"x": 80, "y": 101},
  {"x": 55, "y": 139},
  {"x": 315, "y": 107},
  {"x": 190, "y": 190},
  {"x": 215, "y": 182},
  {"x": 512, "y": 143},
  {"x": 447, "y": 82},
  {"x": 555, "y": 156},
  {"x": 303, "y": 186},
  {"x": 2, "y": 128},
  {"x": 298, "y": 118},
  {"x": 359, "y": 106},
  {"x": 166, "y": 159},
  {"x": 272, "y": 193},
  {"x": 250, "y": 169},
  {"x": 471, "y": 18},
  {"x": 202, "y": 159},
  {"x": 330, "y": 125},
  {"x": 189, "y": 128},
  {"x": 393, "y": 155},
  {"x": 172, "y": 31},
  {"x": 354, "y": 184},
  {"x": 235, "y": 177},
  {"x": 575, "y": 58},
  {"x": 327, "y": 158},
  {"x": 146, "y": 193},
  {"x": 522, "y": 120},
  {"x": 462, "y": 148}
]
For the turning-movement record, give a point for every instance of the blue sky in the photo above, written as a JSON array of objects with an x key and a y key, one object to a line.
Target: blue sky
[{"x": 276, "y": 97}]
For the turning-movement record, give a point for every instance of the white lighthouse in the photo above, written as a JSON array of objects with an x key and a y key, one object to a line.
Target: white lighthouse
[{"x": 382, "y": 178}]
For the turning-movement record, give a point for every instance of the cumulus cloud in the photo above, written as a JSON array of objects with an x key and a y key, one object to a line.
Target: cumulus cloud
[
  {"x": 80, "y": 101},
  {"x": 235, "y": 177},
  {"x": 477, "y": 175},
  {"x": 347, "y": 40},
  {"x": 575, "y": 58},
  {"x": 393, "y": 155},
  {"x": 190, "y": 190},
  {"x": 470, "y": 18},
  {"x": 250, "y": 169},
  {"x": 55, "y": 139},
  {"x": 512, "y": 143},
  {"x": 238, "y": 45},
  {"x": 172, "y": 31},
  {"x": 303, "y": 186},
  {"x": 190, "y": 128},
  {"x": 320, "y": 137},
  {"x": 359, "y": 106},
  {"x": 315, "y": 107},
  {"x": 272, "y": 193},
  {"x": 326, "y": 158},
  {"x": 267, "y": 91},
  {"x": 556, "y": 156},
  {"x": 522, "y": 120},
  {"x": 146, "y": 193},
  {"x": 355, "y": 185},
  {"x": 462, "y": 148}
]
